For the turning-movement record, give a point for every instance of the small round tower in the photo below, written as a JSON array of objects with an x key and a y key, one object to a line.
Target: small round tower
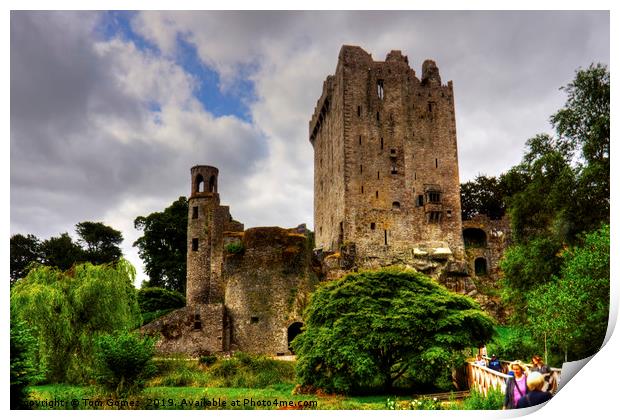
[{"x": 203, "y": 203}]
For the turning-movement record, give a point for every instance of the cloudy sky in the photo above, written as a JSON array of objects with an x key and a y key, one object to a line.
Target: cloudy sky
[{"x": 109, "y": 110}]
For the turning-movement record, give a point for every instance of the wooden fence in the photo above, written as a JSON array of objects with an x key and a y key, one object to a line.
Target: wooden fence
[{"x": 482, "y": 378}]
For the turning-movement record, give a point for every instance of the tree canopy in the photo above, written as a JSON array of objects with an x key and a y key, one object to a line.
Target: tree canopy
[
  {"x": 68, "y": 310},
  {"x": 370, "y": 329},
  {"x": 163, "y": 246},
  {"x": 100, "y": 243}
]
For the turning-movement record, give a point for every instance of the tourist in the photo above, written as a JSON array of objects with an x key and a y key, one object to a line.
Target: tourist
[
  {"x": 495, "y": 364},
  {"x": 535, "y": 394},
  {"x": 480, "y": 361},
  {"x": 516, "y": 386},
  {"x": 539, "y": 366}
]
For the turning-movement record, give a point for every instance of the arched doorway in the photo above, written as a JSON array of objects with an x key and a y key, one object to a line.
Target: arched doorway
[
  {"x": 293, "y": 331},
  {"x": 474, "y": 237},
  {"x": 480, "y": 266}
]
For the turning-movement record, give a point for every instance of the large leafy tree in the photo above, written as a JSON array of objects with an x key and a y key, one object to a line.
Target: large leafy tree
[
  {"x": 24, "y": 251},
  {"x": 100, "y": 243},
  {"x": 572, "y": 309},
  {"x": 68, "y": 310},
  {"x": 61, "y": 252},
  {"x": 163, "y": 245},
  {"x": 484, "y": 195},
  {"x": 368, "y": 330}
]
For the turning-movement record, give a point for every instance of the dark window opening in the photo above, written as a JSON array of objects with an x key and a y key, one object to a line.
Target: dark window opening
[
  {"x": 415, "y": 176},
  {"x": 362, "y": 189},
  {"x": 372, "y": 226},
  {"x": 381, "y": 143},
  {"x": 436, "y": 163},
  {"x": 254, "y": 320},
  {"x": 293, "y": 331},
  {"x": 385, "y": 237},
  {"x": 194, "y": 244},
  {"x": 360, "y": 169},
  {"x": 393, "y": 152},
  {"x": 377, "y": 116},
  {"x": 474, "y": 237},
  {"x": 377, "y": 174},
  {"x": 480, "y": 266},
  {"x": 360, "y": 140},
  {"x": 431, "y": 106},
  {"x": 449, "y": 213},
  {"x": 420, "y": 201},
  {"x": 194, "y": 212},
  {"x": 434, "y": 197},
  {"x": 197, "y": 322},
  {"x": 376, "y": 194},
  {"x": 359, "y": 111},
  {"x": 380, "y": 89},
  {"x": 394, "y": 170},
  {"x": 395, "y": 205},
  {"x": 434, "y": 217},
  {"x": 212, "y": 185}
]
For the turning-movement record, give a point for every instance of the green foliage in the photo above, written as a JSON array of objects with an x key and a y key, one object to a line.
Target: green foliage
[
  {"x": 573, "y": 309},
  {"x": 100, "y": 243},
  {"x": 370, "y": 329},
  {"x": 163, "y": 245},
  {"x": 151, "y": 299},
  {"x": 526, "y": 266},
  {"x": 61, "y": 252},
  {"x": 484, "y": 195},
  {"x": 23, "y": 368},
  {"x": 67, "y": 310},
  {"x": 249, "y": 371},
  {"x": 124, "y": 361},
  {"x": 25, "y": 250},
  {"x": 235, "y": 248},
  {"x": 207, "y": 360},
  {"x": 512, "y": 343},
  {"x": 494, "y": 400}
]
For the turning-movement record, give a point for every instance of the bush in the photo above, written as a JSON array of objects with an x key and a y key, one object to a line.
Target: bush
[
  {"x": 207, "y": 360},
  {"x": 124, "y": 361},
  {"x": 235, "y": 248},
  {"x": 477, "y": 401},
  {"x": 23, "y": 371},
  {"x": 249, "y": 371}
]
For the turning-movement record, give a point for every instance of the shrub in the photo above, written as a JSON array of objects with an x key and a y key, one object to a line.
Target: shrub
[
  {"x": 207, "y": 360},
  {"x": 23, "y": 371},
  {"x": 477, "y": 401},
  {"x": 124, "y": 361},
  {"x": 249, "y": 371},
  {"x": 235, "y": 248}
]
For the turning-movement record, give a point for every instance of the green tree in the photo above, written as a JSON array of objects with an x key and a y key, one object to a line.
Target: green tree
[
  {"x": 61, "y": 252},
  {"x": 24, "y": 250},
  {"x": 124, "y": 361},
  {"x": 100, "y": 243},
  {"x": 67, "y": 310},
  {"x": 573, "y": 309},
  {"x": 156, "y": 301},
  {"x": 368, "y": 330},
  {"x": 163, "y": 245},
  {"x": 484, "y": 195},
  {"x": 23, "y": 369}
]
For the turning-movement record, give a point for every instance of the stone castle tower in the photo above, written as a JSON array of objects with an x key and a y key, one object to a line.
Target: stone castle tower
[{"x": 386, "y": 175}]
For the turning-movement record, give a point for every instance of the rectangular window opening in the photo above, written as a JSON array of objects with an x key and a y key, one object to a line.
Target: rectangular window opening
[
  {"x": 360, "y": 169},
  {"x": 380, "y": 89},
  {"x": 359, "y": 111},
  {"x": 381, "y": 143},
  {"x": 385, "y": 237},
  {"x": 377, "y": 115},
  {"x": 362, "y": 189},
  {"x": 194, "y": 212},
  {"x": 360, "y": 140},
  {"x": 420, "y": 200},
  {"x": 436, "y": 163},
  {"x": 254, "y": 320},
  {"x": 372, "y": 226},
  {"x": 194, "y": 244},
  {"x": 376, "y": 194}
]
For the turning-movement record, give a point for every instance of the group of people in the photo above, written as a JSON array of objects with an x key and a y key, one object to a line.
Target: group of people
[{"x": 524, "y": 387}]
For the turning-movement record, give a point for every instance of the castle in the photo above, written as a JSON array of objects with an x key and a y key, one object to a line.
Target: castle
[{"x": 386, "y": 189}]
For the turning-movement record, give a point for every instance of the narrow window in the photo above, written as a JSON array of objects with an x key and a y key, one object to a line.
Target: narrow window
[
  {"x": 194, "y": 244},
  {"x": 195, "y": 212},
  {"x": 395, "y": 205},
  {"x": 360, "y": 169},
  {"x": 381, "y": 143},
  {"x": 212, "y": 186},
  {"x": 420, "y": 200},
  {"x": 436, "y": 163},
  {"x": 359, "y": 111},
  {"x": 430, "y": 107},
  {"x": 376, "y": 194},
  {"x": 449, "y": 213},
  {"x": 377, "y": 174},
  {"x": 385, "y": 237},
  {"x": 200, "y": 183},
  {"x": 434, "y": 197},
  {"x": 380, "y": 89},
  {"x": 372, "y": 226},
  {"x": 394, "y": 170},
  {"x": 197, "y": 322},
  {"x": 362, "y": 189},
  {"x": 360, "y": 140},
  {"x": 415, "y": 177},
  {"x": 377, "y": 115},
  {"x": 254, "y": 320}
]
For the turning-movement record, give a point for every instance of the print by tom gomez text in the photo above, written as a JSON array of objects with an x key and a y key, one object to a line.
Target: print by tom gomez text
[{"x": 150, "y": 403}]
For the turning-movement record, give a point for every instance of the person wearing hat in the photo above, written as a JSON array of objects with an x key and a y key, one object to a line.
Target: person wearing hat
[
  {"x": 535, "y": 395},
  {"x": 516, "y": 386},
  {"x": 495, "y": 364}
]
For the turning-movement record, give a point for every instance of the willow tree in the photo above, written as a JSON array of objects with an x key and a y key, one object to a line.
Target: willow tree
[
  {"x": 370, "y": 330},
  {"x": 69, "y": 310}
]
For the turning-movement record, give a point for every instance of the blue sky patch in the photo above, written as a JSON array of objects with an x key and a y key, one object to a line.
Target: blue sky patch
[{"x": 234, "y": 101}]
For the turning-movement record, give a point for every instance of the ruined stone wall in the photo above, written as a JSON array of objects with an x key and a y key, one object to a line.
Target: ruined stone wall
[
  {"x": 399, "y": 140},
  {"x": 498, "y": 238},
  {"x": 267, "y": 288},
  {"x": 196, "y": 330}
]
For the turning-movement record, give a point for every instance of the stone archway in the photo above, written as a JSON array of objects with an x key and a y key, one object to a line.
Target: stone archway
[{"x": 293, "y": 331}]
